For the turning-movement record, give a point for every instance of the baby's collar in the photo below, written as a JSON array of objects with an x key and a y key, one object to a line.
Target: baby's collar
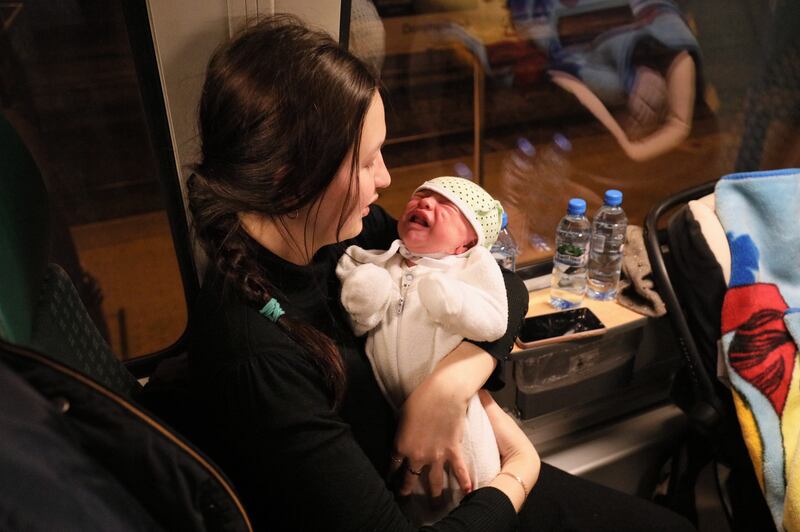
[{"x": 441, "y": 261}]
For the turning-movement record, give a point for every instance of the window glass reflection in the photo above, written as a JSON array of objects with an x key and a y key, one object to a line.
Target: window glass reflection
[
  {"x": 543, "y": 100},
  {"x": 69, "y": 88}
]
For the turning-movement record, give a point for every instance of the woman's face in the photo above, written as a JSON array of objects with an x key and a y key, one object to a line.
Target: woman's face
[{"x": 372, "y": 176}]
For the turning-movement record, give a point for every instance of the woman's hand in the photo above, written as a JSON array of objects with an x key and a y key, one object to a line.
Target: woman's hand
[
  {"x": 518, "y": 457},
  {"x": 432, "y": 419}
]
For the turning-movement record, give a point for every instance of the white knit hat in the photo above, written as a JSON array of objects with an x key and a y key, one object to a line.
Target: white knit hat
[{"x": 482, "y": 210}]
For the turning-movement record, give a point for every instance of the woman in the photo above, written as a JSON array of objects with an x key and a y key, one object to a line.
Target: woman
[{"x": 291, "y": 129}]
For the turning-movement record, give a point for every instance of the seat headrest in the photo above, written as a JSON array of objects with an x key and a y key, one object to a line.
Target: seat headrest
[{"x": 24, "y": 235}]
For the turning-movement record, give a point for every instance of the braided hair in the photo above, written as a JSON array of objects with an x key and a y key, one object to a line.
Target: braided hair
[{"x": 281, "y": 108}]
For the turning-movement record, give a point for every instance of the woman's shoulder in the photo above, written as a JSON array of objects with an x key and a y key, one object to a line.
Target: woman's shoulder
[
  {"x": 256, "y": 366},
  {"x": 228, "y": 334}
]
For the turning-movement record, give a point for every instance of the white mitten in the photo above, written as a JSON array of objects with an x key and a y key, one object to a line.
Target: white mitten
[
  {"x": 366, "y": 292},
  {"x": 441, "y": 297}
]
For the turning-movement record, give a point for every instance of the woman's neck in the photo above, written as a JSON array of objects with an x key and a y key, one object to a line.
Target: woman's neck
[{"x": 282, "y": 236}]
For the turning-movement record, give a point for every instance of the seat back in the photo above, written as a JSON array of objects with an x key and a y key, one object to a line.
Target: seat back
[
  {"x": 692, "y": 285},
  {"x": 39, "y": 305},
  {"x": 63, "y": 329},
  {"x": 24, "y": 236},
  {"x": 704, "y": 408},
  {"x": 82, "y": 457}
]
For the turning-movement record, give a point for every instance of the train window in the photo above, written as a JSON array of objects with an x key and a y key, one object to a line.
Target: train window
[
  {"x": 544, "y": 100},
  {"x": 69, "y": 86}
]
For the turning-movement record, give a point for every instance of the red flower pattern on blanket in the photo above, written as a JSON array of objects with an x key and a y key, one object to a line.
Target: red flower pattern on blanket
[{"x": 762, "y": 351}]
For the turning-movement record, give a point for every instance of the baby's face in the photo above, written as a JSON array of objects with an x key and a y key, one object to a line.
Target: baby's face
[{"x": 433, "y": 224}]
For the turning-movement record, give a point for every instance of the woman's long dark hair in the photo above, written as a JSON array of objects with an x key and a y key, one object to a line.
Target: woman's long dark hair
[{"x": 282, "y": 106}]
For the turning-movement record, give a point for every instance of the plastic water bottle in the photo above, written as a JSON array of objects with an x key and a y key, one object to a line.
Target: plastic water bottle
[
  {"x": 554, "y": 159},
  {"x": 551, "y": 170},
  {"x": 518, "y": 174},
  {"x": 568, "y": 282},
  {"x": 605, "y": 255},
  {"x": 516, "y": 185},
  {"x": 505, "y": 249}
]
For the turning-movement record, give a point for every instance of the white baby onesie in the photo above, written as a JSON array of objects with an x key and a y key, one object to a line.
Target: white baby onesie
[{"x": 415, "y": 316}]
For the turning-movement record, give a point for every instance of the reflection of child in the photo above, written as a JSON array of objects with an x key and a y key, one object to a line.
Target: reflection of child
[
  {"x": 650, "y": 64},
  {"x": 419, "y": 299}
]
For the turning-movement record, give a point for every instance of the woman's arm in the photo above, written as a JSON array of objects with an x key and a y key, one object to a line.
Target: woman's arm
[
  {"x": 297, "y": 465},
  {"x": 520, "y": 461},
  {"x": 432, "y": 419}
]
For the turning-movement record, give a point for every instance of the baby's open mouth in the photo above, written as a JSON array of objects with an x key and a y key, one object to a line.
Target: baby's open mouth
[{"x": 418, "y": 219}]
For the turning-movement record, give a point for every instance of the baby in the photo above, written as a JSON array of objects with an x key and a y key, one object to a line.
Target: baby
[{"x": 418, "y": 300}]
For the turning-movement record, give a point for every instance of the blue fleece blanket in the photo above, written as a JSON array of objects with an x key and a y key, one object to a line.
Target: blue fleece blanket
[{"x": 760, "y": 212}]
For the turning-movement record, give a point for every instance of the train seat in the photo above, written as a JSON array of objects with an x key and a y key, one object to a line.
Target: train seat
[
  {"x": 690, "y": 257},
  {"x": 39, "y": 305},
  {"x": 82, "y": 453}
]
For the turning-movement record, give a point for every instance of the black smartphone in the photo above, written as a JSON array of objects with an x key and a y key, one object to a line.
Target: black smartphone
[{"x": 562, "y": 326}]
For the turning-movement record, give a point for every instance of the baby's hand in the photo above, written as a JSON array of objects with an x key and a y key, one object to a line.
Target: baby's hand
[
  {"x": 440, "y": 297},
  {"x": 366, "y": 291}
]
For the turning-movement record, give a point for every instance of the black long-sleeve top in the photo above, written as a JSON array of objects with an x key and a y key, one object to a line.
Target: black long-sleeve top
[{"x": 296, "y": 462}]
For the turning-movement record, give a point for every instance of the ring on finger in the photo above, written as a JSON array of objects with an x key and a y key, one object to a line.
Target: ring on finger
[{"x": 417, "y": 473}]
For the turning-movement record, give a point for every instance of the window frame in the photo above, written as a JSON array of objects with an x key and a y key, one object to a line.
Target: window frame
[{"x": 143, "y": 51}]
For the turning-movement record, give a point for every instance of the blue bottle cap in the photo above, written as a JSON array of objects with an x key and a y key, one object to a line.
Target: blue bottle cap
[
  {"x": 613, "y": 198},
  {"x": 462, "y": 170},
  {"x": 526, "y": 147},
  {"x": 576, "y": 206},
  {"x": 503, "y": 221},
  {"x": 562, "y": 142}
]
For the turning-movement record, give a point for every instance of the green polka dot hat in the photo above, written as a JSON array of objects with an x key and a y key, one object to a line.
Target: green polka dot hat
[{"x": 482, "y": 210}]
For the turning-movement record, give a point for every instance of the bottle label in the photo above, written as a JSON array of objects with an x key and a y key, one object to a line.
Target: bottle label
[
  {"x": 570, "y": 254},
  {"x": 613, "y": 241}
]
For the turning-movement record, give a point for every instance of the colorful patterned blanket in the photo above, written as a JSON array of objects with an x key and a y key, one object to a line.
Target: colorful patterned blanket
[{"x": 760, "y": 212}]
